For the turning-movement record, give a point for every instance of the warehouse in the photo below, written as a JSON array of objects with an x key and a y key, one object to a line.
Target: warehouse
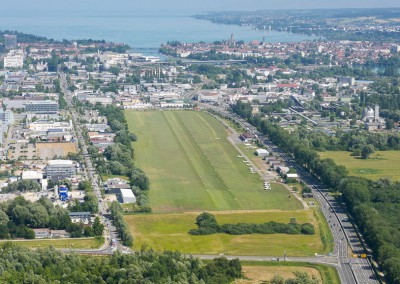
[
  {"x": 127, "y": 195},
  {"x": 262, "y": 153}
]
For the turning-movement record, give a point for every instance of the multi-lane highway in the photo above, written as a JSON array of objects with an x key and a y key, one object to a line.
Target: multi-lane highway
[{"x": 346, "y": 240}]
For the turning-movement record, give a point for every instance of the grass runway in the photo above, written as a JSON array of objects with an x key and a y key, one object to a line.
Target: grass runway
[{"x": 193, "y": 167}]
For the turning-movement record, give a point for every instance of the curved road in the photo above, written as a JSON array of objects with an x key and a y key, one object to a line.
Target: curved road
[{"x": 351, "y": 270}]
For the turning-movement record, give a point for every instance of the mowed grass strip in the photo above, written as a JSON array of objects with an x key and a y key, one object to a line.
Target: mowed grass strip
[
  {"x": 170, "y": 232},
  {"x": 381, "y": 164},
  {"x": 81, "y": 243},
  {"x": 193, "y": 167}
]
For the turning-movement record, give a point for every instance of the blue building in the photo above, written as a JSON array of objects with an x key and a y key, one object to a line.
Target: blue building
[{"x": 63, "y": 193}]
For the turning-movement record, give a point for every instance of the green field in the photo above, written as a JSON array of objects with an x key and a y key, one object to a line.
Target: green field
[
  {"x": 193, "y": 167},
  {"x": 381, "y": 164},
  {"x": 170, "y": 232},
  {"x": 81, "y": 243}
]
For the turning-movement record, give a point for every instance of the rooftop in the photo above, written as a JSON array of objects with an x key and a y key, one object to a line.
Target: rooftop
[{"x": 60, "y": 162}]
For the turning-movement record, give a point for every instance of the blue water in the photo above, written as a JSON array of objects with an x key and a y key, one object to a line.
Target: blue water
[{"x": 139, "y": 31}]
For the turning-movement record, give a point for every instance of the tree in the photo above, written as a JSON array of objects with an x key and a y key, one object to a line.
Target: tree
[
  {"x": 76, "y": 230},
  {"x": 90, "y": 202},
  {"x": 355, "y": 191},
  {"x": 3, "y": 218},
  {"x": 85, "y": 185},
  {"x": 133, "y": 137},
  {"x": 392, "y": 268},
  {"x": 390, "y": 123},
  {"x": 60, "y": 219},
  {"x": 98, "y": 227},
  {"x": 196, "y": 79},
  {"x": 307, "y": 229},
  {"x": 88, "y": 231},
  {"x": 366, "y": 151},
  {"x": 21, "y": 215},
  {"x": 206, "y": 219},
  {"x": 39, "y": 216},
  {"x": 139, "y": 179}
]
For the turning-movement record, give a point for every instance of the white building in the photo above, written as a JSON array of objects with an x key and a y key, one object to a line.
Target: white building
[
  {"x": 61, "y": 168},
  {"x": 262, "y": 153},
  {"x": 46, "y": 125},
  {"x": 209, "y": 97},
  {"x": 13, "y": 61},
  {"x": 127, "y": 195},
  {"x": 101, "y": 100},
  {"x": 7, "y": 117},
  {"x": 32, "y": 175}
]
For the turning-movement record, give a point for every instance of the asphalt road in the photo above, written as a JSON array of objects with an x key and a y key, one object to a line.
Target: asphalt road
[
  {"x": 351, "y": 270},
  {"x": 91, "y": 175}
]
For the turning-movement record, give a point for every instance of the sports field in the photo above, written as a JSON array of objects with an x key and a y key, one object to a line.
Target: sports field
[
  {"x": 381, "y": 164},
  {"x": 193, "y": 167},
  {"x": 170, "y": 232}
]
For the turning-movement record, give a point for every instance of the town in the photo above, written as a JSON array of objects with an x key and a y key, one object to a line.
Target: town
[{"x": 75, "y": 112}]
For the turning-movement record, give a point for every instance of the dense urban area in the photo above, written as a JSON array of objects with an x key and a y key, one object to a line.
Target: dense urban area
[{"x": 214, "y": 162}]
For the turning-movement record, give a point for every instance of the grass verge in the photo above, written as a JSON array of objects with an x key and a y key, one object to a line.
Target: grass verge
[{"x": 79, "y": 243}]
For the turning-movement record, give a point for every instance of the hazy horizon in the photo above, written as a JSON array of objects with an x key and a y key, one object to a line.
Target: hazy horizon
[{"x": 184, "y": 7}]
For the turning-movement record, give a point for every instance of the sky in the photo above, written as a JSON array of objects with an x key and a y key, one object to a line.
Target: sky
[{"x": 185, "y": 6}]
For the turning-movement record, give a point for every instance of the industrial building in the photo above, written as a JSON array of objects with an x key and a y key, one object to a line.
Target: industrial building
[
  {"x": 262, "y": 153},
  {"x": 127, "y": 195},
  {"x": 60, "y": 169},
  {"x": 45, "y": 107},
  {"x": 63, "y": 193}
]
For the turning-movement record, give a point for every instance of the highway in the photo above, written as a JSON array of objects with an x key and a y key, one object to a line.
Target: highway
[{"x": 351, "y": 270}]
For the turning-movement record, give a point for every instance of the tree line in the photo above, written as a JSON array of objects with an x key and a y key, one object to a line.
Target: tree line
[
  {"x": 19, "y": 217},
  {"x": 207, "y": 225},
  {"x": 375, "y": 206},
  {"x": 117, "y": 214},
  {"x": 22, "y": 186},
  {"x": 22, "y": 265},
  {"x": 120, "y": 156}
]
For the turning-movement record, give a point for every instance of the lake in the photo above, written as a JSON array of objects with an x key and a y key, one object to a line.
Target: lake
[{"x": 135, "y": 29}]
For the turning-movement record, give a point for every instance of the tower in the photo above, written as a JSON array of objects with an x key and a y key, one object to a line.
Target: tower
[
  {"x": 376, "y": 114},
  {"x": 10, "y": 41},
  {"x": 232, "y": 39}
]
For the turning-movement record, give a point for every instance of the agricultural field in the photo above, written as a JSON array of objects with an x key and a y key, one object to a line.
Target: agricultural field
[
  {"x": 381, "y": 164},
  {"x": 170, "y": 232},
  {"x": 262, "y": 272},
  {"x": 193, "y": 167},
  {"x": 81, "y": 243}
]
